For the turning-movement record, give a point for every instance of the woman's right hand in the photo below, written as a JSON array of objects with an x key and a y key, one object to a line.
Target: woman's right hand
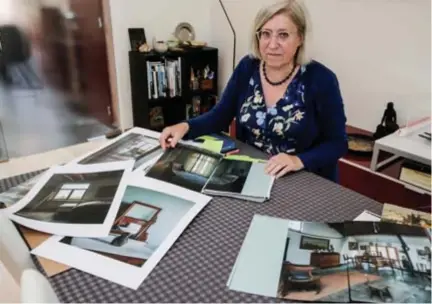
[{"x": 172, "y": 134}]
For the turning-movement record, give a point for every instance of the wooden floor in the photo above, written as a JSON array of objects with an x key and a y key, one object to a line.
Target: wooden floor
[{"x": 330, "y": 284}]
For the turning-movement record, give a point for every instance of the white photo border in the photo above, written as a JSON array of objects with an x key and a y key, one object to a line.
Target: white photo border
[
  {"x": 136, "y": 130},
  {"x": 116, "y": 271},
  {"x": 76, "y": 230}
]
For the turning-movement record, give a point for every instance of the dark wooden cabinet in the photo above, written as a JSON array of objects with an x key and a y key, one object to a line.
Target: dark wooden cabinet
[
  {"x": 381, "y": 189},
  {"x": 324, "y": 259},
  {"x": 170, "y": 87}
]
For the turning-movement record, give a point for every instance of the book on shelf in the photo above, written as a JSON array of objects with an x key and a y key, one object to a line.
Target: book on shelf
[
  {"x": 416, "y": 174},
  {"x": 212, "y": 173},
  {"x": 164, "y": 78}
]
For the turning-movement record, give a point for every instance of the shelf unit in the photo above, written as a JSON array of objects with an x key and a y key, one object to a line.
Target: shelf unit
[{"x": 170, "y": 87}]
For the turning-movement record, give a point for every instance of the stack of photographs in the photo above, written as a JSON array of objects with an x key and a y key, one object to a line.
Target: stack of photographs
[
  {"x": 99, "y": 209},
  {"x": 147, "y": 223},
  {"x": 137, "y": 144},
  {"x": 334, "y": 262},
  {"x": 211, "y": 173}
]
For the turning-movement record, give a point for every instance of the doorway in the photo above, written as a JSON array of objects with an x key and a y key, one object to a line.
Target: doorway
[{"x": 54, "y": 77}]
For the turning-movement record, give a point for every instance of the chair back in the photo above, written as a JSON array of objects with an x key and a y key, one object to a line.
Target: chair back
[
  {"x": 35, "y": 288},
  {"x": 14, "y": 253}
]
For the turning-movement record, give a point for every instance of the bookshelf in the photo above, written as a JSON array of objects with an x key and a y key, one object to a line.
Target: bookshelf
[{"x": 170, "y": 87}]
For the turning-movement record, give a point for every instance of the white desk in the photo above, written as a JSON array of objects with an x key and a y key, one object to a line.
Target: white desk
[
  {"x": 410, "y": 146},
  {"x": 20, "y": 165}
]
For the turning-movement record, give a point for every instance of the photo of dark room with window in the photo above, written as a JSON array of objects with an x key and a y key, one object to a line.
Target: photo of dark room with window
[
  {"x": 134, "y": 146},
  {"x": 185, "y": 166},
  {"x": 356, "y": 261},
  {"x": 74, "y": 198},
  {"x": 229, "y": 176}
]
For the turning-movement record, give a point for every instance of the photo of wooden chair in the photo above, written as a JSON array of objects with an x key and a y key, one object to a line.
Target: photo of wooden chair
[{"x": 298, "y": 278}]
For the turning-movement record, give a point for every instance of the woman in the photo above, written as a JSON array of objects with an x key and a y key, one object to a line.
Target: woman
[{"x": 284, "y": 104}]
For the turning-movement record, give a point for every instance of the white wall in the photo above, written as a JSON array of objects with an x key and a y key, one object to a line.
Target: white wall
[
  {"x": 380, "y": 51},
  {"x": 415, "y": 243},
  {"x": 159, "y": 19}
]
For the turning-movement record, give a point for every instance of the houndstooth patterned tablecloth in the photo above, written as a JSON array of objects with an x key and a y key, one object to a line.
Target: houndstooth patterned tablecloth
[{"x": 197, "y": 266}]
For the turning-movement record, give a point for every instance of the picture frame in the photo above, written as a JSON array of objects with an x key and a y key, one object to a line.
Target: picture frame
[
  {"x": 128, "y": 260},
  {"x": 312, "y": 243},
  {"x": 353, "y": 246}
]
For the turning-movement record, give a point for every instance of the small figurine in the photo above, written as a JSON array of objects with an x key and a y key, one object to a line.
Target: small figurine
[
  {"x": 388, "y": 123},
  {"x": 389, "y": 118}
]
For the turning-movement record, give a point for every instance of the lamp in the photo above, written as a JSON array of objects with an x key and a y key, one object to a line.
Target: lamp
[{"x": 233, "y": 31}]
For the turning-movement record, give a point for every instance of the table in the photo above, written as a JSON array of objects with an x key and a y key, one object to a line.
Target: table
[
  {"x": 379, "y": 289},
  {"x": 409, "y": 146},
  {"x": 197, "y": 266}
]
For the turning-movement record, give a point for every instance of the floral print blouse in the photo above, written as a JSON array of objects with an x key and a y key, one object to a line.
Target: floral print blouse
[{"x": 274, "y": 129}]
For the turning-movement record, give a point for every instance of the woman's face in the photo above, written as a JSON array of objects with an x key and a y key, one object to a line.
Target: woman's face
[{"x": 278, "y": 41}]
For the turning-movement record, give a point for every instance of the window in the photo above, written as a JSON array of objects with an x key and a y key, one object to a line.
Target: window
[
  {"x": 200, "y": 164},
  {"x": 141, "y": 212},
  {"x": 71, "y": 192}
]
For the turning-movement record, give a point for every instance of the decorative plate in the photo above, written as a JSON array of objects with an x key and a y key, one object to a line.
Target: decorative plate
[
  {"x": 360, "y": 144},
  {"x": 184, "y": 32}
]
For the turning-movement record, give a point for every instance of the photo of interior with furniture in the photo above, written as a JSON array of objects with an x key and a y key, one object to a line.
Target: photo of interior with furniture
[
  {"x": 230, "y": 176},
  {"x": 134, "y": 146},
  {"x": 395, "y": 261},
  {"x": 314, "y": 268},
  {"x": 185, "y": 167},
  {"x": 74, "y": 198},
  {"x": 361, "y": 261},
  {"x": 141, "y": 225}
]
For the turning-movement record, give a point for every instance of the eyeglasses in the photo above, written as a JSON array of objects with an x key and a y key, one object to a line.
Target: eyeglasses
[{"x": 281, "y": 37}]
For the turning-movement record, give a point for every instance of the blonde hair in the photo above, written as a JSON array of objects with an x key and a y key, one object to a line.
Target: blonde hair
[{"x": 298, "y": 14}]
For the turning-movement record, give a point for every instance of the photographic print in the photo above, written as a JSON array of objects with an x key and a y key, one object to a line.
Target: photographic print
[
  {"x": 314, "y": 268},
  {"x": 229, "y": 176},
  {"x": 185, "y": 166},
  {"x": 405, "y": 216},
  {"x": 73, "y": 200},
  {"x": 387, "y": 267},
  {"x": 137, "y": 144},
  {"x": 147, "y": 223},
  {"x": 363, "y": 262},
  {"x": 16, "y": 193}
]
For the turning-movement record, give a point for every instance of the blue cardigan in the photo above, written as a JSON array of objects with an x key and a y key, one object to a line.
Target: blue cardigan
[{"x": 324, "y": 140}]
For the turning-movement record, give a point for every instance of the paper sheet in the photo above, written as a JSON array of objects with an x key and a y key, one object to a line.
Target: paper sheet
[
  {"x": 257, "y": 268},
  {"x": 73, "y": 200},
  {"x": 243, "y": 158},
  {"x": 129, "y": 261},
  {"x": 140, "y": 145},
  {"x": 207, "y": 137},
  {"x": 213, "y": 145},
  {"x": 367, "y": 216}
]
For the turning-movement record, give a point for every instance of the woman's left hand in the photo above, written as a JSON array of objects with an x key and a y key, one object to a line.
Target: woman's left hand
[{"x": 282, "y": 163}]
